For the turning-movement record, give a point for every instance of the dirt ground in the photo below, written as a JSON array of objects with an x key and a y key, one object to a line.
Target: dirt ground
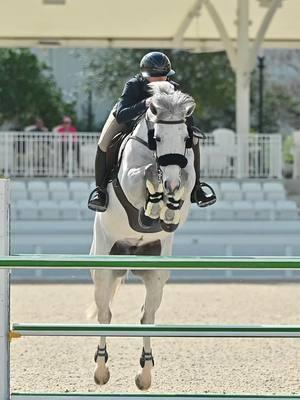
[{"x": 65, "y": 364}]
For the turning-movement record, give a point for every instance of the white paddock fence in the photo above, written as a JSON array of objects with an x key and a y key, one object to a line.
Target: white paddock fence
[
  {"x": 35, "y": 154},
  {"x": 296, "y": 155}
]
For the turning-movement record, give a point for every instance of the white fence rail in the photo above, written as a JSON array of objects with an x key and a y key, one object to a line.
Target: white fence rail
[{"x": 33, "y": 154}]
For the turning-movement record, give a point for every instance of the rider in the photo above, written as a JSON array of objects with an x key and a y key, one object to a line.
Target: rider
[{"x": 134, "y": 102}]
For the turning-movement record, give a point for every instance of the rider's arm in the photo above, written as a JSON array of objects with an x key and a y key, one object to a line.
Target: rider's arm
[{"x": 129, "y": 106}]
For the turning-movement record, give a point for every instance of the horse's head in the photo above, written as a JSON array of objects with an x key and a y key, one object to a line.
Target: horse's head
[{"x": 168, "y": 135}]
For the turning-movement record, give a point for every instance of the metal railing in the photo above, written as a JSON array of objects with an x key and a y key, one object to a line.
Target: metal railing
[
  {"x": 220, "y": 159},
  {"x": 35, "y": 154}
]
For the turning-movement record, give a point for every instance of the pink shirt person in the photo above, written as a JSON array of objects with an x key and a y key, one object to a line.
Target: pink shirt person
[{"x": 67, "y": 129}]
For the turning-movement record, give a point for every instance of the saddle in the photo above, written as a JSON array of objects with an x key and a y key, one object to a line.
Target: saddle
[
  {"x": 112, "y": 155},
  {"x": 113, "y": 160}
]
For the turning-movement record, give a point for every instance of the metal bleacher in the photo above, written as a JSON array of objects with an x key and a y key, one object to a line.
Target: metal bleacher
[
  {"x": 249, "y": 218},
  {"x": 62, "y": 200}
]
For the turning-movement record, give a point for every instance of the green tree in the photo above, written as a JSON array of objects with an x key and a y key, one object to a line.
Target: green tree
[
  {"x": 210, "y": 80},
  {"x": 281, "y": 106},
  {"x": 28, "y": 90},
  {"x": 206, "y": 77}
]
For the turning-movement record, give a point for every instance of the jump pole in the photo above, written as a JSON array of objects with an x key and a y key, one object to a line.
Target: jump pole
[
  {"x": 81, "y": 262},
  {"x": 147, "y": 396},
  {"x": 4, "y": 293}
]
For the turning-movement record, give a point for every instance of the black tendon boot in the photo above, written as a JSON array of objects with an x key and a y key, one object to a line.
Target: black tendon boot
[
  {"x": 98, "y": 200},
  {"x": 198, "y": 195}
]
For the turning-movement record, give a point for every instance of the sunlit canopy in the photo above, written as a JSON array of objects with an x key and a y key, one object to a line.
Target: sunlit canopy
[
  {"x": 241, "y": 27},
  {"x": 138, "y": 23}
]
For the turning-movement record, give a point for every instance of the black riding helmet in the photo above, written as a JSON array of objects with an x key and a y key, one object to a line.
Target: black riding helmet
[{"x": 156, "y": 64}]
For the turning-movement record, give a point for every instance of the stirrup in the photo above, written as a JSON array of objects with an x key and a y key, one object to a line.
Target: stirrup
[
  {"x": 94, "y": 203},
  {"x": 210, "y": 198}
]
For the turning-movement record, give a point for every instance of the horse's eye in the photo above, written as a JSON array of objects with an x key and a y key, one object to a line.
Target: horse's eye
[{"x": 157, "y": 138}]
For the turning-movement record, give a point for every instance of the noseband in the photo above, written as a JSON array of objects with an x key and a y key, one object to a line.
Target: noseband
[{"x": 171, "y": 158}]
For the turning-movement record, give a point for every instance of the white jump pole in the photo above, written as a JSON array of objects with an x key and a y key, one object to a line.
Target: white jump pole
[{"x": 4, "y": 293}]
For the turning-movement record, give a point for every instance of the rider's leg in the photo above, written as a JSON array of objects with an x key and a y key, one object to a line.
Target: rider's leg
[
  {"x": 198, "y": 194},
  {"x": 111, "y": 128}
]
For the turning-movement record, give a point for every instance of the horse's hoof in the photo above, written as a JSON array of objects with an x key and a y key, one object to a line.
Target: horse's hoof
[
  {"x": 145, "y": 221},
  {"x": 101, "y": 376},
  {"x": 142, "y": 383},
  {"x": 168, "y": 227}
]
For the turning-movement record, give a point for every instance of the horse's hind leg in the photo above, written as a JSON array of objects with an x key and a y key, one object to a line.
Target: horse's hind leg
[
  {"x": 106, "y": 283},
  {"x": 154, "y": 282}
]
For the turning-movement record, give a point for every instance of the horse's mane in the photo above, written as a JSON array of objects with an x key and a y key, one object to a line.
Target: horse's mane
[{"x": 170, "y": 102}]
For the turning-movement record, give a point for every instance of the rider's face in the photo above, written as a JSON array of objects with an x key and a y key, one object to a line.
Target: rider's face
[{"x": 156, "y": 78}]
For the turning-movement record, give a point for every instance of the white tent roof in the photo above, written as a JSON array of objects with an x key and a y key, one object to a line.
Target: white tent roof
[
  {"x": 139, "y": 23},
  {"x": 240, "y": 27}
]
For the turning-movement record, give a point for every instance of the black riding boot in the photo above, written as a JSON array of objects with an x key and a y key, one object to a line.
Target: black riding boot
[
  {"x": 98, "y": 200},
  {"x": 198, "y": 195}
]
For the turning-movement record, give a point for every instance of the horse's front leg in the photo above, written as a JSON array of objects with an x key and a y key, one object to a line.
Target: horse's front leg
[
  {"x": 154, "y": 282},
  {"x": 170, "y": 214},
  {"x": 105, "y": 285},
  {"x": 154, "y": 201}
]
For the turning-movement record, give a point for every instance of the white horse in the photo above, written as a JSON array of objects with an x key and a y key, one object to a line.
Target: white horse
[{"x": 148, "y": 200}]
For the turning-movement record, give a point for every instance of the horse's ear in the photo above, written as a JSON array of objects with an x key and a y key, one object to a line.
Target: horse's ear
[
  {"x": 190, "y": 110},
  {"x": 153, "y": 109}
]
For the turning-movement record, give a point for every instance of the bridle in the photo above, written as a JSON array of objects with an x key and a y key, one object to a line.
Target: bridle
[{"x": 171, "y": 158}]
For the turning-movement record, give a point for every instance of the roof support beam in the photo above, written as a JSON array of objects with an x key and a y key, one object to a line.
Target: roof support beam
[
  {"x": 178, "y": 37},
  {"x": 223, "y": 33},
  {"x": 275, "y": 4},
  {"x": 242, "y": 97}
]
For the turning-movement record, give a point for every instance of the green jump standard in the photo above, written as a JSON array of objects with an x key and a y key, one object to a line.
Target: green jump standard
[
  {"x": 249, "y": 331},
  {"x": 146, "y": 262}
]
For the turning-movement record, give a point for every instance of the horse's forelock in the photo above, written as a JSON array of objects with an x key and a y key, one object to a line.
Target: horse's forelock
[
  {"x": 161, "y": 87},
  {"x": 169, "y": 102}
]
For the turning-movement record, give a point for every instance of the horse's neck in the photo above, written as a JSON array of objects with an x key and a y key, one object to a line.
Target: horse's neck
[{"x": 141, "y": 130}]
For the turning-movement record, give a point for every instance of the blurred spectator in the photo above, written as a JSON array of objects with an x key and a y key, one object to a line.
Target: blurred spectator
[
  {"x": 65, "y": 130},
  {"x": 39, "y": 126},
  {"x": 29, "y": 147}
]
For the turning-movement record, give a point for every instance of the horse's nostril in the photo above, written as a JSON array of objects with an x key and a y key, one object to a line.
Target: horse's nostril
[{"x": 172, "y": 186}]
